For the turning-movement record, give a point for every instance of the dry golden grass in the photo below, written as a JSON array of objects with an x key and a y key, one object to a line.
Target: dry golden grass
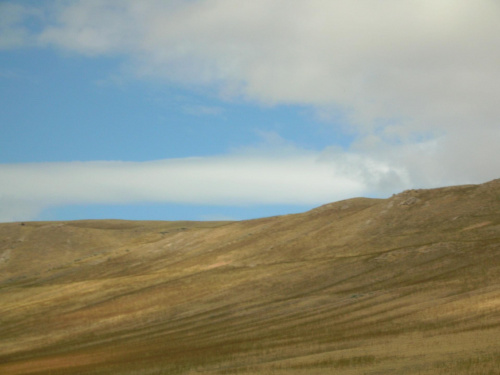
[{"x": 406, "y": 285}]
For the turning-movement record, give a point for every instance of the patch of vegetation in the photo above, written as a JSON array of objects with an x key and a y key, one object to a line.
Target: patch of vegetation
[
  {"x": 340, "y": 363},
  {"x": 484, "y": 364}
]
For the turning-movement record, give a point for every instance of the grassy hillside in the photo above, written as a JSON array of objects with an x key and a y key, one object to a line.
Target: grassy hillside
[{"x": 405, "y": 285}]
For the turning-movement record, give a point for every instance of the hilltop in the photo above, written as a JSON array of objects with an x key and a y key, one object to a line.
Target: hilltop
[{"x": 404, "y": 285}]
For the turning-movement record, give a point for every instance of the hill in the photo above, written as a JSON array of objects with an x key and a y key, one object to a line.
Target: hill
[{"x": 404, "y": 285}]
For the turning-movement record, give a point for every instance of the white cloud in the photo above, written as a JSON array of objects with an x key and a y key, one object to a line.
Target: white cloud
[
  {"x": 302, "y": 178},
  {"x": 431, "y": 63},
  {"x": 394, "y": 68},
  {"x": 274, "y": 172}
]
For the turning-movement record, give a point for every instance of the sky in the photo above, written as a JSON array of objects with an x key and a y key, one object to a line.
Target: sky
[{"x": 236, "y": 109}]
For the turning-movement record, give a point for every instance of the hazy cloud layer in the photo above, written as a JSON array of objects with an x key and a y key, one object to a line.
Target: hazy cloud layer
[
  {"x": 302, "y": 178},
  {"x": 13, "y": 33},
  {"x": 415, "y": 81}
]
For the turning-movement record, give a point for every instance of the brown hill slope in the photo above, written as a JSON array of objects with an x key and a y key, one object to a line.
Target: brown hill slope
[{"x": 405, "y": 285}]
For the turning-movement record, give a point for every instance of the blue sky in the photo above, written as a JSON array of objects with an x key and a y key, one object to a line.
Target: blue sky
[
  {"x": 219, "y": 109},
  {"x": 64, "y": 110}
]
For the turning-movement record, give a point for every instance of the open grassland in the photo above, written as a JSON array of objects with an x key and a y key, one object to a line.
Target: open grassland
[{"x": 405, "y": 285}]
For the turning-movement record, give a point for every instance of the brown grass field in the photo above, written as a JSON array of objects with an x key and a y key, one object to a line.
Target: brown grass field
[{"x": 405, "y": 285}]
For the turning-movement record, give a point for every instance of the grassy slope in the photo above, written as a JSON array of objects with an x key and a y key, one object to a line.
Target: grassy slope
[{"x": 407, "y": 285}]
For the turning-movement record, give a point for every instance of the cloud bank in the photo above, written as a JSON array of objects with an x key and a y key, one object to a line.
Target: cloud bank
[
  {"x": 415, "y": 82},
  {"x": 273, "y": 173},
  {"x": 302, "y": 178},
  {"x": 395, "y": 67}
]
